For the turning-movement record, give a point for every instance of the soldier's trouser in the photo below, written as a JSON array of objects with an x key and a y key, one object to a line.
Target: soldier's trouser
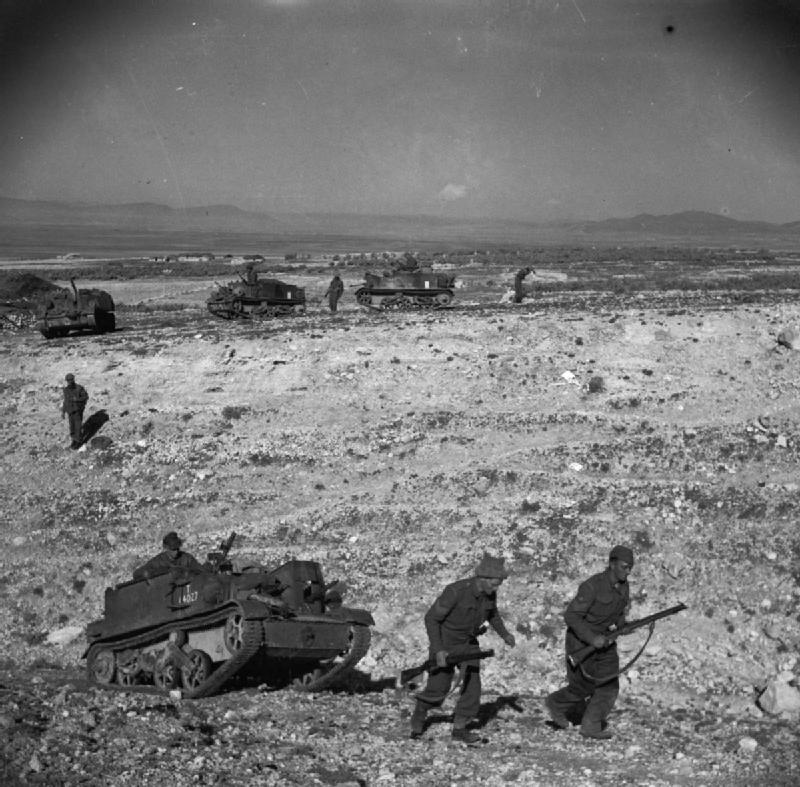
[
  {"x": 75, "y": 425},
  {"x": 598, "y": 699},
  {"x": 333, "y": 302},
  {"x": 469, "y": 700}
]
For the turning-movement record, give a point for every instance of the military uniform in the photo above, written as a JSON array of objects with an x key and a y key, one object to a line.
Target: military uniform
[
  {"x": 75, "y": 398},
  {"x": 519, "y": 292},
  {"x": 163, "y": 563},
  {"x": 600, "y": 604},
  {"x": 334, "y": 292},
  {"x": 456, "y": 619}
]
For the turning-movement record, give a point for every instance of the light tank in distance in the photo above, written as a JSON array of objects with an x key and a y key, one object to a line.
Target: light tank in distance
[
  {"x": 196, "y": 632},
  {"x": 419, "y": 289},
  {"x": 62, "y": 311},
  {"x": 254, "y": 298}
]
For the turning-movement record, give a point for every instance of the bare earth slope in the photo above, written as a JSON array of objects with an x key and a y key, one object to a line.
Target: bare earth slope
[{"x": 394, "y": 449}]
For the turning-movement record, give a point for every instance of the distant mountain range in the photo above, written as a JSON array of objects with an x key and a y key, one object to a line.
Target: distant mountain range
[{"x": 146, "y": 217}]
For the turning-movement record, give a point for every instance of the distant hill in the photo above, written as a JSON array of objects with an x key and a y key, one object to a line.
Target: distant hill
[
  {"x": 691, "y": 221},
  {"x": 136, "y": 219}
]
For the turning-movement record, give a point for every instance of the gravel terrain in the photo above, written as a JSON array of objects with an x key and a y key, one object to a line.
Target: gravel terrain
[{"x": 394, "y": 449}]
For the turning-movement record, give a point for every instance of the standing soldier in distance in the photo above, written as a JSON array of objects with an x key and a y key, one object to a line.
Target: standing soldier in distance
[
  {"x": 334, "y": 292},
  {"x": 456, "y": 618},
  {"x": 592, "y": 687},
  {"x": 75, "y": 398},
  {"x": 519, "y": 292}
]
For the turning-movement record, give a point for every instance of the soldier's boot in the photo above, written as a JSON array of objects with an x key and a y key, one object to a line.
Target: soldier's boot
[
  {"x": 462, "y": 734},
  {"x": 597, "y": 733},
  {"x": 465, "y": 736},
  {"x": 418, "y": 720},
  {"x": 556, "y": 714}
]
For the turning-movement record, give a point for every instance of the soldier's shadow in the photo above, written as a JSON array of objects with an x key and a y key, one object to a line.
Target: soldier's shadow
[
  {"x": 488, "y": 711},
  {"x": 92, "y": 425}
]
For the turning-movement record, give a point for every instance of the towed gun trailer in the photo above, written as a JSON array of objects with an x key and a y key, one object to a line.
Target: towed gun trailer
[
  {"x": 80, "y": 310},
  {"x": 196, "y": 632}
]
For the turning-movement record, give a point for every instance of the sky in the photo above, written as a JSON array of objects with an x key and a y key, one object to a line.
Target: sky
[{"x": 511, "y": 109}]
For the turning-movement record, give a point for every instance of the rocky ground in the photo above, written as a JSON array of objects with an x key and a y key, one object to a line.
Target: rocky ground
[{"x": 394, "y": 449}]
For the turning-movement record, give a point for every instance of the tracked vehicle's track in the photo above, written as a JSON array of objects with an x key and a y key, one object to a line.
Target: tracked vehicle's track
[
  {"x": 320, "y": 679},
  {"x": 251, "y": 638}
]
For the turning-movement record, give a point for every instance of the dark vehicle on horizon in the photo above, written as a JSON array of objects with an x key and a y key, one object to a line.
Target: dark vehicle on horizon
[
  {"x": 195, "y": 632},
  {"x": 418, "y": 289},
  {"x": 62, "y": 311},
  {"x": 253, "y": 298}
]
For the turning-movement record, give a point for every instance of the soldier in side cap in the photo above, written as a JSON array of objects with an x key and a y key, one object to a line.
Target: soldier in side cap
[
  {"x": 456, "y": 618},
  {"x": 171, "y": 559},
  {"x": 75, "y": 398},
  {"x": 592, "y": 687}
]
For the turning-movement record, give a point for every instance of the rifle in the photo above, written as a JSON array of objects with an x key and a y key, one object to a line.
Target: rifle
[
  {"x": 217, "y": 559},
  {"x": 454, "y": 657},
  {"x": 579, "y": 656}
]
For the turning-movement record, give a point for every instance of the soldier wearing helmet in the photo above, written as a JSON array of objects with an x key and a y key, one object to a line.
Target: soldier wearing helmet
[
  {"x": 171, "y": 559},
  {"x": 456, "y": 618},
  {"x": 592, "y": 687}
]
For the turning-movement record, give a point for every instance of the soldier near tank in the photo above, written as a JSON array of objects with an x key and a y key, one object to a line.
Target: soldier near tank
[
  {"x": 519, "y": 292},
  {"x": 251, "y": 276},
  {"x": 171, "y": 559},
  {"x": 75, "y": 398},
  {"x": 456, "y": 619},
  {"x": 600, "y": 606},
  {"x": 334, "y": 292}
]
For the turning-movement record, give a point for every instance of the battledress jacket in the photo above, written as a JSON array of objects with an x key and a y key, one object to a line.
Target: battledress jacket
[
  {"x": 74, "y": 399},
  {"x": 456, "y": 617},
  {"x": 163, "y": 564},
  {"x": 599, "y": 604}
]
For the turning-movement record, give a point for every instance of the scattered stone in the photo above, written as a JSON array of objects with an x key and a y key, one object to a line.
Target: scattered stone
[
  {"x": 597, "y": 384},
  {"x": 780, "y": 697},
  {"x": 64, "y": 636},
  {"x": 787, "y": 338},
  {"x": 748, "y": 744}
]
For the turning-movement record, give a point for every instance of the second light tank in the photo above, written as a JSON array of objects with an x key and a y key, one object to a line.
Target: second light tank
[{"x": 419, "y": 289}]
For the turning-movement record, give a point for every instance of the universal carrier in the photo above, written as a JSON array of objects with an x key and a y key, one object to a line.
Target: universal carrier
[{"x": 196, "y": 632}]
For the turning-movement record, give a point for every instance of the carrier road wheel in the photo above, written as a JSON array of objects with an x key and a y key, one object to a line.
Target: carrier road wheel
[
  {"x": 234, "y": 633},
  {"x": 199, "y": 671},
  {"x": 166, "y": 677},
  {"x": 443, "y": 298},
  {"x": 101, "y": 666}
]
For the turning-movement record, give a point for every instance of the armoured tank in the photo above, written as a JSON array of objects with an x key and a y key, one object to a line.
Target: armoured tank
[
  {"x": 63, "y": 311},
  {"x": 195, "y": 632},
  {"x": 420, "y": 289},
  {"x": 251, "y": 298}
]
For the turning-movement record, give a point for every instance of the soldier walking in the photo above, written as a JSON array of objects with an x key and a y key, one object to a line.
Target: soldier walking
[
  {"x": 75, "y": 398},
  {"x": 592, "y": 687},
  {"x": 456, "y": 619},
  {"x": 334, "y": 292},
  {"x": 519, "y": 292}
]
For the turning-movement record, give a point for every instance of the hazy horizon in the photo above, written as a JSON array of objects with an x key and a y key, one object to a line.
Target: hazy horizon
[{"x": 516, "y": 110}]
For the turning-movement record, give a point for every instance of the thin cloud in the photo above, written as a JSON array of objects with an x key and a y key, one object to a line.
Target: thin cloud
[{"x": 452, "y": 192}]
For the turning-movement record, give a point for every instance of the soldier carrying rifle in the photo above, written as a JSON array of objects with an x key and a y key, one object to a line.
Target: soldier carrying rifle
[{"x": 453, "y": 623}]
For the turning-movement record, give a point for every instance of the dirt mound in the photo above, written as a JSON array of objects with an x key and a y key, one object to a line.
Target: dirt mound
[{"x": 18, "y": 285}]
